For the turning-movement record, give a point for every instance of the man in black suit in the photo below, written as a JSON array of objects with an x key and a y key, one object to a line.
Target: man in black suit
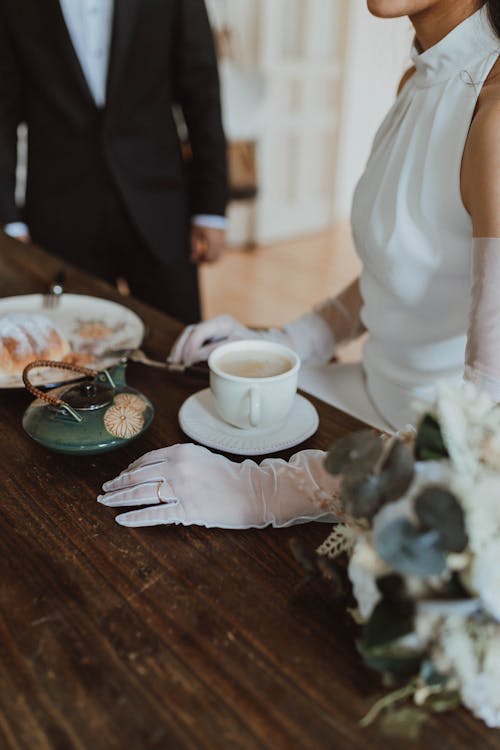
[{"x": 107, "y": 187}]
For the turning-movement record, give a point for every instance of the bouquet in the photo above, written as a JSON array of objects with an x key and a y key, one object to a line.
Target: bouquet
[{"x": 422, "y": 534}]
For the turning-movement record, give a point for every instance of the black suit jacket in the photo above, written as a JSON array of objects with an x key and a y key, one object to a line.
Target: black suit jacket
[{"x": 162, "y": 53}]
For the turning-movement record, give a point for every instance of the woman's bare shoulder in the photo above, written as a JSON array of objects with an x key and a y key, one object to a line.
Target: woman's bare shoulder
[
  {"x": 491, "y": 88},
  {"x": 481, "y": 162}
]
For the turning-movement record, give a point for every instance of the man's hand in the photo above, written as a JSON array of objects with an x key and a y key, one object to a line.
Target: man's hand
[
  {"x": 18, "y": 231},
  {"x": 207, "y": 244}
]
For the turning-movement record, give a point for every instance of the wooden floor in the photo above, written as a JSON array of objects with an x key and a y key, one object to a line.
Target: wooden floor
[{"x": 273, "y": 284}]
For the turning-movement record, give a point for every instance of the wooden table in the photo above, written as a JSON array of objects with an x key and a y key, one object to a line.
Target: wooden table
[{"x": 166, "y": 638}]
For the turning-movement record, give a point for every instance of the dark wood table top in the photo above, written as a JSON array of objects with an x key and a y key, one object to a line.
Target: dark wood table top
[{"x": 165, "y": 637}]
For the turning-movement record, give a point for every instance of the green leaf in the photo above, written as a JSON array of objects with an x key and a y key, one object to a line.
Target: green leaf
[
  {"x": 362, "y": 496},
  {"x": 404, "y": 723},
  {"x": 410, "y": 551},
  {"x": 429, "y": 443},
  {"x": 437, "y": 508},
  {"x": 430, "y": 674},
  {"x": 397, "y": 664},
  {"x": 388, "y": 702},
  {"x": 447, "y": 700},
  {"x": 393, "y": 589},
  {"x": 354, "y": 454},
  {"x": 397, "y": 472},
  {"x": 376, "y": 479},
  {"x": 387, "y": 623},
  {"x": 453, "y": 588}
]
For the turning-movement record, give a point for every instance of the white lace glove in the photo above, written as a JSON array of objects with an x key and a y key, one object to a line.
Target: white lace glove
[
  {"x": 186, "y": 484},
  {"x": 482, "y": 357},
  {"x": 309, "y": 336}
]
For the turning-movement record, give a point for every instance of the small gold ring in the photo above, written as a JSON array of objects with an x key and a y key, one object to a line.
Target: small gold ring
[{"x": 158, "y": 486}]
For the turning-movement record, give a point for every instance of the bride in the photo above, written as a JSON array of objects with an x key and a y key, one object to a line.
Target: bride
[{"x": 426, "y": 224}]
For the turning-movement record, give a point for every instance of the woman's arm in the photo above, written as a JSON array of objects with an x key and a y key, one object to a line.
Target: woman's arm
[
  {"x": 481, "y": 196},
  {"x": 314, "y": 335},
  {"x": 480, "y": 179},
  {"x": 342, "y": 314},
  {"x": 187, "y": 484}
]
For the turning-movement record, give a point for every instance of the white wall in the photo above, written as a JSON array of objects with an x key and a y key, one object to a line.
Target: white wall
[
  {"x": 377, "y": 54},
  {"x": 374, "y": 54}
]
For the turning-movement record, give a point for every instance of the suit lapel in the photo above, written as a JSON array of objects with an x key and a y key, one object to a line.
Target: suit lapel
[
  {"x": 62, "y": 39},
  {"x": 124, "y": 23}
]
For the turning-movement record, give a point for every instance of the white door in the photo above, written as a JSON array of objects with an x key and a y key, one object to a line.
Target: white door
[{"x": 302, "y": 55}]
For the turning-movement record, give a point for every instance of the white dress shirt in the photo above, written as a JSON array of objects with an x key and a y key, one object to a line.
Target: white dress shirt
[{"x": 90, "y": 24}]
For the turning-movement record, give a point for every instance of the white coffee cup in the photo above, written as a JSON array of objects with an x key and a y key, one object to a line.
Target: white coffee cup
[{"x": 254, "y": 382}]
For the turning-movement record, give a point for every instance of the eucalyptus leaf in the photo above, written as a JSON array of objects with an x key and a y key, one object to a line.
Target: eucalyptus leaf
[
  {"x": 410, "y": 551},
  {"x": 430, "y": 674},
  {"x": 429, "y": 443},
  {"x": 393, "y": 589},
  {"x": 396, "y": 664},
  {"x": 362, "y": 496},
  {"x": 447, "y": 700},
  {"x": 397, "y": 471},
  {"x": 385, "y": 479},
  {"x": 437, "y": 508},
  {"x": 453, "y": 588},
  {"x": 404, "y": 723},
  {"x": 354, "y": 454},
  {"x": 386, "y": 625}
]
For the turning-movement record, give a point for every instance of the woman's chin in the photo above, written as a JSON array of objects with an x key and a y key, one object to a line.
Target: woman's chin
[{"x": 393, "y": 8}]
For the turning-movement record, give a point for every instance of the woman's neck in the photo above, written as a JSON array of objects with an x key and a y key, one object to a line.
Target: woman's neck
[{"x": 434, "y": 23}]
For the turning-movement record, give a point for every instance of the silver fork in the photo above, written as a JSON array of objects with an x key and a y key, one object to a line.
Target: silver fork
[
  {"x": 137, "y": 355},
  {"x": 56, "y": 289}
]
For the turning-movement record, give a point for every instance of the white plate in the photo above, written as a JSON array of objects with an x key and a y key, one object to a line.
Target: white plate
[
  {"x": 199, "y": 419},
  {"x": 90, "y": 324}
]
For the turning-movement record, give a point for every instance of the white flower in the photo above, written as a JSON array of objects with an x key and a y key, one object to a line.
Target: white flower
[
  {"x": 456, "y": 652},
  {"x": 480, "y": 500},
  {"x": 452, "y": 417},
  {"x": 492, "y": 655},
  {"x": 485, "y": 577},
  {"x": 474, "y": 657},
  {"x": 426, "y": 626},
  {"x": 365, "y": 567},
  {"x": 468, "y": 419},
  {"x": 490, "y": 451},
  {"x": 482, "y": 696}
]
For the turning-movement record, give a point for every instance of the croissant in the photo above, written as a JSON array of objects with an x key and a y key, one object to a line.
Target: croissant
[{"x": 24, "y": 338}]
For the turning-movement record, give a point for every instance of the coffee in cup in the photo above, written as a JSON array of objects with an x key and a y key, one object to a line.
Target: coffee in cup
[
  {"x": 254, "y": 364},
  {"x": 254, "y": 382}
]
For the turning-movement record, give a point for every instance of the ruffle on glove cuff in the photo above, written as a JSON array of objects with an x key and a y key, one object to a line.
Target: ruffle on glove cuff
[
  {"x": 312, "y": 339},
  {"x": 484, "y": 381},
  {"x": 482, "y": 358}
]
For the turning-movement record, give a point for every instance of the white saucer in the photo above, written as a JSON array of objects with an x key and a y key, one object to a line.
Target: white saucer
[{"x": 199, "y": 419}]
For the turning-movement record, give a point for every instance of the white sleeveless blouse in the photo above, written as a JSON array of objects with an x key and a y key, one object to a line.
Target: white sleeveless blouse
[{"x": 411, "y": 228}]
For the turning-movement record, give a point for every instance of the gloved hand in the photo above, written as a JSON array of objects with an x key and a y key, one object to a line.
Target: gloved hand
[
  {"x": 187, "y": 484},
  {"x": 309, "y": 336}
]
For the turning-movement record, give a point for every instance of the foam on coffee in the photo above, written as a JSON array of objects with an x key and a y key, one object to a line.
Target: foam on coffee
[{"x": 257, "y": 364}]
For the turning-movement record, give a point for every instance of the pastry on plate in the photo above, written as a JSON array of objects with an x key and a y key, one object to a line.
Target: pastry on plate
[{"x": 24, "y": 338}]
